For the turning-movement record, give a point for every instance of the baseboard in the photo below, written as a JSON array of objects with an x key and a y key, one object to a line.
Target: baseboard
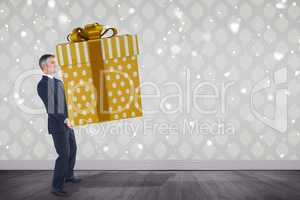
[{"x": 156, "y": 165}]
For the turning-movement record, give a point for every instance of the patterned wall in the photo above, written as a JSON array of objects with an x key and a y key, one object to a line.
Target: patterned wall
[{"x": 220, "y": 79}]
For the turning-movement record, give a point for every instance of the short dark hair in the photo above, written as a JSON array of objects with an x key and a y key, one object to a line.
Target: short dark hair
[{"x": 44, "y": 58}]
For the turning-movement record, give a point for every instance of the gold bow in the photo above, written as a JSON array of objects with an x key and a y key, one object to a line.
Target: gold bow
[{"x": 89, "y": 32}]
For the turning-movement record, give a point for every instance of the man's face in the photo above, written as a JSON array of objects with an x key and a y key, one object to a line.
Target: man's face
[{"x": 50, "y": 66}]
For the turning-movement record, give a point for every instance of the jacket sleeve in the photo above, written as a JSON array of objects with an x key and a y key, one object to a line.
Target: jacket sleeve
[
  {"x": 50, "y": 105},
  {"x": 66, "y": 106}
]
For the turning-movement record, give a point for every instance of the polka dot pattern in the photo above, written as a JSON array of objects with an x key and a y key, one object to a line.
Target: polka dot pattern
[
  {"x": 119, "y": 97},
  {"x": 124, "y": 96}
]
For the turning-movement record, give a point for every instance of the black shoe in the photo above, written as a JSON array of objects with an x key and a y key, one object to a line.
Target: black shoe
[
  {"x": 73, "y": 179},
  {"x": 61, "y": 193}
]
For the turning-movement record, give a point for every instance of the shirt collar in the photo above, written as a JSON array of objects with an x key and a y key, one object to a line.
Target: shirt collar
[{"x": 49, "y": 75}]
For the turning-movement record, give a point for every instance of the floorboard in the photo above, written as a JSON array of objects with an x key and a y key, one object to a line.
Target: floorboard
[{"x": 156, "y": 185}]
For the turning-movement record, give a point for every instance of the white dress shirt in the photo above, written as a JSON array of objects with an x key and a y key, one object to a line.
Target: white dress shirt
[{"x": 51, "y": 76}]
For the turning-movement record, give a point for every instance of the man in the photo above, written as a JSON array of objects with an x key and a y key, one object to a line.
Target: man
[{"x": 51, "y": 91}]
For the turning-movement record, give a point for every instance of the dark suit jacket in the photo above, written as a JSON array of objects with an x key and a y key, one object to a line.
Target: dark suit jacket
[{"x": 51, "y": 91}]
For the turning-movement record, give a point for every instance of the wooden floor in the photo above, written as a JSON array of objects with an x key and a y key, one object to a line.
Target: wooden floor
[{"x": 165, "y": 185}]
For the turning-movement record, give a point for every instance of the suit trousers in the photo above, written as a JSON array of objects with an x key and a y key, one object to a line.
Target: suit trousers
[{"x": 65, "y": 146}]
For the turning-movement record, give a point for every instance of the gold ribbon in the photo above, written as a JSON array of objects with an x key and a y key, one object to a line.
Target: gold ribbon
[{"x": 90, "y": 32}]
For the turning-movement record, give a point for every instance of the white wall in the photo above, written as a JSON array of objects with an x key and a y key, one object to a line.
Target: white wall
[{"x": 229, "y": 50}]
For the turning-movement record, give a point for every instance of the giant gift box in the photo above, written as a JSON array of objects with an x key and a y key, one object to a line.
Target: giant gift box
[{"x": 100, "y": 75}]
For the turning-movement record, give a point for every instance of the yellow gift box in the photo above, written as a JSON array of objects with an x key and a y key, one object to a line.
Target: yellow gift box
[{"x": 100, "y": 75}]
